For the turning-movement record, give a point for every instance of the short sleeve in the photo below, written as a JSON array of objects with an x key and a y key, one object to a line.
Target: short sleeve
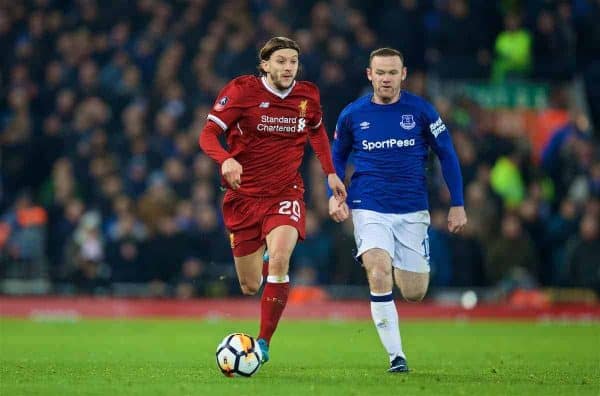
[{"x": 227, "y": 108}]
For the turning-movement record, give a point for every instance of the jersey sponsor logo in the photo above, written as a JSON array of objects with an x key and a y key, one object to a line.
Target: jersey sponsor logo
[
  {"x": 302, "y": 108},
  {"x": 364, "y": 125},
  {"x": 387, "y": 144},
  {"x": 281, "y": 124},
  {"x": 264, "y": 105},
  {"x": 407, "y": 122},
  {"x": 221, "y": 103},
  {"x": 437, "y": 127}
]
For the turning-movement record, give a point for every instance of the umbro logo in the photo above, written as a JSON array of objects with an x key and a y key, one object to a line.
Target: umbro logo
[
  {"x": 364, "y": 125},
  {"x": 264, "y": 105}
]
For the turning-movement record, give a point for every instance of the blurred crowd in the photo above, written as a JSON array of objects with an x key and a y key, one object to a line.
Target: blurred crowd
[{"x": 103, "y": 183}]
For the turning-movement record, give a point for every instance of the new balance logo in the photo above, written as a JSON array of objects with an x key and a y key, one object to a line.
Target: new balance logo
[{"x": 264, "y": 105}]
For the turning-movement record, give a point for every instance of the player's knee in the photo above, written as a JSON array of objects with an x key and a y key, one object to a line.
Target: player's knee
[
  {"x": 278, "y": 263},
  {"x": 414, "y": 295},
  {"x": 380, "y": 277},
  {"x": 249, "y": 288}
]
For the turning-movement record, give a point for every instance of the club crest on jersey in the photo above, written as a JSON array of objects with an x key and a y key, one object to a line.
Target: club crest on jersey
[
  {"x": 221, "y": 103},
  {"x": 302, "y": 107},
  {"x": 407, "y": 122}
]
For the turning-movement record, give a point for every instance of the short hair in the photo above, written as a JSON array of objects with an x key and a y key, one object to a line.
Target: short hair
[
  {"x": 386, "y": 51},
  {"x": 274, "y": 44}
]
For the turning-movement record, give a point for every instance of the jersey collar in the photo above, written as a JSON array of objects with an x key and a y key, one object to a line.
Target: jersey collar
[
  {"x": 386, "y": 104},
  {"x": 283, "y": 94}
]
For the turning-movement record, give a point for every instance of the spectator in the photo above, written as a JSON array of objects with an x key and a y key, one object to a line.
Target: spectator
[
  {"x": 402, "y": 25},
  {"x": 85, "y": 264},
  {"x": 441, "y": 262},
  {"x": 511, "y": 259},
  {"x": 507, "y": 179},
  {"x": 554, "y": 45},
  {"x": 468, "y": 258},
  {"x": 24, "y": 241},
  {"x": 583, "y": 255},
  {"x": 313, "y": 252},
  {"x": 193, "y": 279},
  {"x": 449, "y": 53},
  {"x": 560, "y": 227},
  {"x": 513, "y": 50}
]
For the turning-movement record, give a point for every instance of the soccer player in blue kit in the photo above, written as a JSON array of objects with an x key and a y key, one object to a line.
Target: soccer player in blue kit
[{"x": 389, "y": 133}]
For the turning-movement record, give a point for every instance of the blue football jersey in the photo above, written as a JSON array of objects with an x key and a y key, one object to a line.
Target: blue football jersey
[{"x": 389, "y": 146}]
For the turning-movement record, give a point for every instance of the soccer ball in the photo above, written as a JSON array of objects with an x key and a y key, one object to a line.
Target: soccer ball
[{"x": 238, "y": 354}]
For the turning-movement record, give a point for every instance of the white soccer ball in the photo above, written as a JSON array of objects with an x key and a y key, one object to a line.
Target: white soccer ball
[{"x": 238, "y": 354}]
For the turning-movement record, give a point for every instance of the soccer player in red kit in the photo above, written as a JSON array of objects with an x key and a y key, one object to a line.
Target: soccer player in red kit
[{"x": 267, "y": 121}]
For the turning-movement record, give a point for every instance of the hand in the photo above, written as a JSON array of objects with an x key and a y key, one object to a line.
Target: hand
[
  {"x": 338, "y": 188},
  {"x": 232, "y": 172},
  {"x": 338, "y": 211},
  {"x": 457, "y": 219}
]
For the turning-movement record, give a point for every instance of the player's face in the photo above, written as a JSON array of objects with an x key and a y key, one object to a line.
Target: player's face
[
  {"x": 386, "y": 75},
  {"x": 281, "y": 68}
]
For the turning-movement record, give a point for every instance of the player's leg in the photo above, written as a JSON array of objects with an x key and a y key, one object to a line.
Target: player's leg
[
  {"x": 375, "y": 247},
  {"x": 378, "y": 266},
  {"x": 282, "y": 226},
  {"x": 411, "y": 271},
  {"x": 412, "y": 285},
  {"x": 249, "y": 270},
  {"x": 243, "y": 218},
  {"x": 280, "y": 243}
]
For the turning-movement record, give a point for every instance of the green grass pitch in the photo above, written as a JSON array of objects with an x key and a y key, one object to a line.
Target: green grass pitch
[{"x": 174, "y": 357}]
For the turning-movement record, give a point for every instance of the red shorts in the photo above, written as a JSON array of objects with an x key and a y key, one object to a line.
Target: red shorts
[{"x": 250, "y": 219}]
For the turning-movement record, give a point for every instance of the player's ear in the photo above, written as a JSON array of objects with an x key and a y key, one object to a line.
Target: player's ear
[
  {"x": 264, "y": 65},
  {"x": 404, "y": 72},
  {"x": 368, "y": 70}
]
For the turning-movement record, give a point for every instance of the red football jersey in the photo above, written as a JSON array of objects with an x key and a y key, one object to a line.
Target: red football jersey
[{"x": 267, "y": 131}]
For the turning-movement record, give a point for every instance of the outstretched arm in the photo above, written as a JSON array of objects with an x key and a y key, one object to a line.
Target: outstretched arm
[
  {"x": 342, "y": 146},
  {"x": 320, "y": 144}
]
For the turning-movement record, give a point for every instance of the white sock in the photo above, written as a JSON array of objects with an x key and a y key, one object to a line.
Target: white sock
[
  {"x": 385, "y": 317},
  {"x": 278, "y": 279}
]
